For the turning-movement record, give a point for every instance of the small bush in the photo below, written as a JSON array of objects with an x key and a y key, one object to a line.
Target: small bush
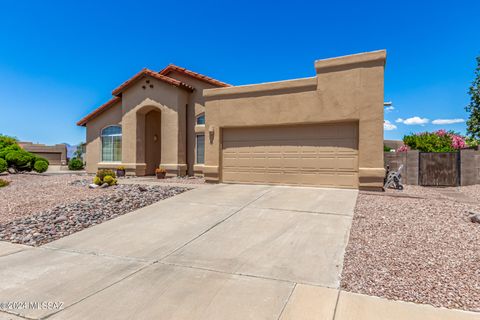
[
  {"x": 40, "y": 166},
  {"x": 3, "y": 165},
  {"x": 4, "y": 183},
  {"x": 41, "y": 159},
  {"x": 75, "y": 164},
  {"x": 110, "y": 180},
  {"x": 386, "y": 149},
  {"x": 97, "y": 181},
  {"x": 20, "y": 159}
]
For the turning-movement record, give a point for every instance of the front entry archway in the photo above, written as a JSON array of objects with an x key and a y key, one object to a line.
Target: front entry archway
[{"x": 152, "y": 140}]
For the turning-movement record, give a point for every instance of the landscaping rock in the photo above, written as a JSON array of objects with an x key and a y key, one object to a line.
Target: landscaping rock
[
  {"x": 104, "y": 185},
  {"x": 12, "y": 171},
  {"x": 65, "y": 219},
  {"x": 474, "y": 217},
  {"x": 93, "y": 186}
]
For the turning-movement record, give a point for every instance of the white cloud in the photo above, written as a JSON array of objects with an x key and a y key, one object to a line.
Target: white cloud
[
  {"x": 387, "y": 125},
  {"x": 413, "y": 121},
  {"x": 447, "y": 121},
  {"x": 389, "y": 109}
]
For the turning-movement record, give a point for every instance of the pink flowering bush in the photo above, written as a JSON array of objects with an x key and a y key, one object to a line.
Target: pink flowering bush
[
  {"x": 403, "y": 148},
  {"x": 458, "y": 142},
  {"x": 438, "y": 141}
]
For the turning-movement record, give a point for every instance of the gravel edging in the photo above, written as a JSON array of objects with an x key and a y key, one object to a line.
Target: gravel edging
[
  {"x": 418, "y": 250},
  {"x": 65, "y": 219}
]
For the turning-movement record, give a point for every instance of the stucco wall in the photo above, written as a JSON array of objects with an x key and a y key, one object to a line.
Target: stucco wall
[
  {"x": 196, "y": 106},
  {"x": 345, "y": 89},
  {"x": 170, "y": 101},
  {"x": 112, "y": 116}
]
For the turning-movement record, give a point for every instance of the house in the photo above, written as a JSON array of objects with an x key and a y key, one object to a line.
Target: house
[
  {"x": 55, "y": 154},
  {"x": 325, "y": 130}
]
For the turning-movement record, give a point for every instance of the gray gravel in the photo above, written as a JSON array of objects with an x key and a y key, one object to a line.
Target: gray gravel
[
  {"x": 31, "y": 193},
  {"x": 420, "y": 250},
  {"x": 64, "y": 219}
]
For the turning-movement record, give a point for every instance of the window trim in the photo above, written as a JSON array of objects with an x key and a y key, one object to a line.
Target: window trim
[
  {"x": 196, "y": 148},
  {"x": 102, "y": 136}
]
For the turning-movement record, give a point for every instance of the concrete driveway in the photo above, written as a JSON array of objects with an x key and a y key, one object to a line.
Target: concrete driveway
[{"x": 216, "y": 252}]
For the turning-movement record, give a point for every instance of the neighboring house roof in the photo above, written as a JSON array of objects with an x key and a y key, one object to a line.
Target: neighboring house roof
[
  {"x": 198, "y": 76},
  {"x": 99, "y": 110},
  {"x": 153, "y": 74},
  {"x": 162, "y": 76}
]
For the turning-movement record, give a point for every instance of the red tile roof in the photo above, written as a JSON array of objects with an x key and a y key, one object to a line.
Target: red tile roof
[
  {"x": 99, "y": 110},
  {"x": 198, "y": 76},
  {"x": 162, "y": 76},
  {"x": 153, "y": 74}
]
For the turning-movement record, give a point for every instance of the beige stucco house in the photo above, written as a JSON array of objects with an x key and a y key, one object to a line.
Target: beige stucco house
[{"x": 325, "y": 130}]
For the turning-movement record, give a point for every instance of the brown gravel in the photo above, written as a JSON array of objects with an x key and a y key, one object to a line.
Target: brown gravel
[
  {"x": 30, "y": 193},
  {"x": 420, "y": 250}
]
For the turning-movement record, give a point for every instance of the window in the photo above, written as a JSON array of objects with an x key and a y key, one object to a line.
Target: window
[
  {"x": 112, "y": 144},
  {"x": 200, "y": 148},
  {"x": 201, "y": 119}
]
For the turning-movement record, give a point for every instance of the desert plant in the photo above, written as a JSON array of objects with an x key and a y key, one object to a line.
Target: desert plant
[
  {"x": 40, "y": 166},
  {"x": 102, "y": 173},
  {"x": 4, "y": 183},
  {"x": 110, "y": 180},
  {"x": 105, "y": 176},
  {"x": 97, "y": 181},
  {"x": 75, "y": 164},
  {"x": 3, "y": 165}
]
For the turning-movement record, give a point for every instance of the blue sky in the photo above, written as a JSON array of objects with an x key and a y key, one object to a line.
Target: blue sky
[{"x": 60, "y": 59}]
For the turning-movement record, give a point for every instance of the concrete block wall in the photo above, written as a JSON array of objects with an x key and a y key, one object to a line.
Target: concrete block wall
[{"x": 469, "y": 166}]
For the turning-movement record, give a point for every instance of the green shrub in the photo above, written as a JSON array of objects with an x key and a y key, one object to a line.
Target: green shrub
[
  {"x": 75, "y": 164},
  {"x": 20, "y": 159},
  {"x": 4, "y": 183},
  {"x": 3, "y": 165},
  {"x": 97, "y": 181},
  {"x": 110, "y": 180},
  {"x": 4, "y": 151},
  {"x": 37, "y": 158},
  {"x": 40, "y": 166},
  {"x": 6, "y": 141},
  {"x": 386, "y": 149}
]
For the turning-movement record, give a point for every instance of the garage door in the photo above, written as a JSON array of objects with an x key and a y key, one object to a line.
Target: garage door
[{"x": 316, "y": 155}]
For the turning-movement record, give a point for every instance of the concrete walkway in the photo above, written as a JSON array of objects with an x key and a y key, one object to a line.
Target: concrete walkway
[{"x": 215, "y": 252}]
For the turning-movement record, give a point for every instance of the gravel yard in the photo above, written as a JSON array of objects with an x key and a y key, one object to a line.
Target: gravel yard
[
  {"x": 418, "y": 246},
  {"x": 39, "y": 209}
]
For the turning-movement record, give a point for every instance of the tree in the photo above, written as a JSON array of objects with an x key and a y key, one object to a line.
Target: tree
[{"x": 473, "y": 122}]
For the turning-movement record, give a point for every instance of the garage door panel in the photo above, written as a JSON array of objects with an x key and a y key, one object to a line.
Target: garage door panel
[{"x": 321, "y": 155}]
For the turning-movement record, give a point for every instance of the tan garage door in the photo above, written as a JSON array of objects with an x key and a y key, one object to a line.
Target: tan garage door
[{"x": 317, "y": 155}]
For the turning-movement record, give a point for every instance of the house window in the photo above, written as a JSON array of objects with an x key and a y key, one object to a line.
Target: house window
[
  {"x": 112, "y": 144},
  {"x": 200, "y": 149},
  {"x": 201, "y": 119}
]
